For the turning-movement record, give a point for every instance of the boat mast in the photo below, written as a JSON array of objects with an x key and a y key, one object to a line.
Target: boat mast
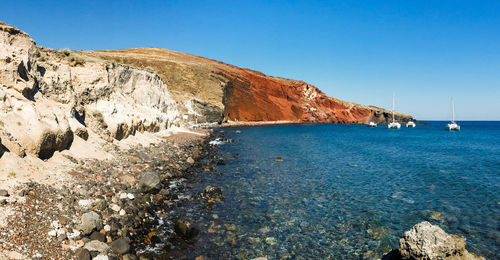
[
  {"x": 452, "y": 111},
  {"x": 393, "y": 107}
]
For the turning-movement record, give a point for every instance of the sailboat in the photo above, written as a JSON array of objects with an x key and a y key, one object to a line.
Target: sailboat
[
  {"x": 393, "y": 124},
  {"x": 372, "y": 124},
  {"x": 410, "y": 124},
  {"x": 453, "y": 126}
]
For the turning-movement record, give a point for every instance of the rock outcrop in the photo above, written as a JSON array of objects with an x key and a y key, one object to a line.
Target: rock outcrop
[
  {"x": 50, "y": 96},
  {"x": 215, "y": 91},
  {"x": 425, "y": 241}
]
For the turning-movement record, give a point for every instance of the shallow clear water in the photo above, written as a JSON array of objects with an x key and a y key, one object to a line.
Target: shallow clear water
[{"x": 349, "y": 191}]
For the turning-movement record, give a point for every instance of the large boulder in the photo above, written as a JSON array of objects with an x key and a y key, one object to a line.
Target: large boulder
[{"x": 425, "y": 241}]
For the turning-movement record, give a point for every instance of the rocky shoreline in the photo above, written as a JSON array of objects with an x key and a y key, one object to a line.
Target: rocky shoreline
[
  {"x": 122, "y": 208},
  {"x": 110, "y": 210}
]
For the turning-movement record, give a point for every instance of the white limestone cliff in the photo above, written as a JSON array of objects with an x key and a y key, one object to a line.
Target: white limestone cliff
[{"x": 49, "y": 96}]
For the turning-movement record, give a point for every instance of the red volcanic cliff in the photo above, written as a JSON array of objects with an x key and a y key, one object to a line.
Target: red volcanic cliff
[
  {"x": 256, "y": 97},
  {"x": 218, "y": 91}
]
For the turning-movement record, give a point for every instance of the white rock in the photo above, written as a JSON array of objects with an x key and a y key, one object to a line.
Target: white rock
[
  {"x": 55, "y": 224},
  {"x": 115, "y": 207},
  {"x": 107, "y": 228},
  {"x": 60, "y": 232},
  {"x": 130, "y": 196},
  {"x": 73, "y": 235},
  {"x": 122, "y": 212},
  {"x": 123, "y": 196},
  {"x": 53, "y": 233},
  {"x": 101, "y": 257},
  {"x": 84, "y": 203}
]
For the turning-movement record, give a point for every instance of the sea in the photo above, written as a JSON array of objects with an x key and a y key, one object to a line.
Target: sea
[{"x": 340, "y": 191}]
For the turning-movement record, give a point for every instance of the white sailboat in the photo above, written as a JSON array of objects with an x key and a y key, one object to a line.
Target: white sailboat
[
  {"x": 453, "y": 126},
  {"x": 393, "y": 124},
  {"x": 372, "y": 124},
  {"x": 410, "y": 124}
]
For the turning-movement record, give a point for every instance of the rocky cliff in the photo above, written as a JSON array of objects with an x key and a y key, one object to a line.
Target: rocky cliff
[
  {"x": 216, "y": 91},
  {"x": 49, "y": 96}
]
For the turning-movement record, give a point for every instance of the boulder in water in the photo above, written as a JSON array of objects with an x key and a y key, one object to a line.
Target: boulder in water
[
  {"x": 185, "y": 230},
  {"x": 425, "y": 241},
  {"x": 212, "y": 193}
]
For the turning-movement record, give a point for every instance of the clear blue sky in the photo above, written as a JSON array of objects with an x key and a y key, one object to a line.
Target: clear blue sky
[{"x": 360, "y": 51}]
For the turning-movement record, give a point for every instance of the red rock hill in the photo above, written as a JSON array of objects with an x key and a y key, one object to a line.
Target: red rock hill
[{"x": 218, "y": 91}]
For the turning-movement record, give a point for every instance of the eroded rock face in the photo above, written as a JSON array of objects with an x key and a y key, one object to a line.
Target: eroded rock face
[
  {"x": 425, "y": 241},
  {"x": 47, "y": 97}
]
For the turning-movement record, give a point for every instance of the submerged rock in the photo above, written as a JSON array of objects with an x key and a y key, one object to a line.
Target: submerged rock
[
  {"x": 435, "y": 215},
  {"x": 212, "y": 193},
  {"x": 425, "y": 241},
  {"x": 185, "y": 230}
]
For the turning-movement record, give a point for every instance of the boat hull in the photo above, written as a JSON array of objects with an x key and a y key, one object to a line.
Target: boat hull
[
  {"x": 452, "y": 127},
  {"x": 394, "y": 125}
]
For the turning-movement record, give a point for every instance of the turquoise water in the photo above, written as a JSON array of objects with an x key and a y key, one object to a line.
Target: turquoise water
[{"x": 349, "y": 191}]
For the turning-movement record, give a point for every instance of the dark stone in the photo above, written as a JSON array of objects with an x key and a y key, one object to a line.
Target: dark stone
[
  {"x": 221, "y": 162},
  {"x": 120, "y": 246},
  {"x": 129, "y": 257},
  {"x": 21, "y": 70},
  {"x": 185, "y": 230},
  {"x": 155, "y": 239},
  {"x": 150, "y": 182},
  {"x": 213, "y": 193},
  {"x": 82, "y": 254},
  {"x": 164, "y": 192},
  {"x": 392, "y": 255},
  {"x": 3, "y": 202},
  {"x": 101, "y": 205},
  {"x": 98, "y": 236}
]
